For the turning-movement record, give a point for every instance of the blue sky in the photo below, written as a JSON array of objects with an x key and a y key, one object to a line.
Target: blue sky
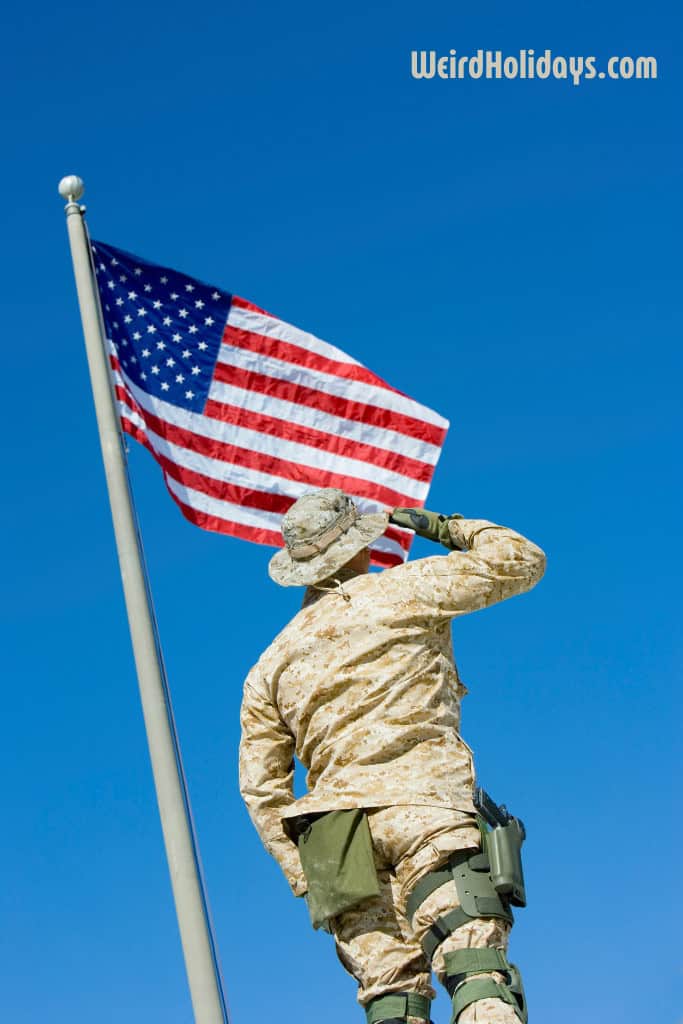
[{"x": 507, "y": 252}]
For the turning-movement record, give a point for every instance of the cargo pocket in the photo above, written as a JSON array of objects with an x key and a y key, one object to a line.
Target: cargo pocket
[{"x": 338, "y": 862}]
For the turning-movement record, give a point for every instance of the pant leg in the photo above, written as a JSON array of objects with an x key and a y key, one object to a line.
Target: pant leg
[
  {"x": 375, "y": 942},
  {"x": 478, "y": 933}
]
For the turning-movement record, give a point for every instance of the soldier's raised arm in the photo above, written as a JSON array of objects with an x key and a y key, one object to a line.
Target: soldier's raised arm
[
  {"x": 487, "y": 563},
  {"x": 266, "y": 768}
]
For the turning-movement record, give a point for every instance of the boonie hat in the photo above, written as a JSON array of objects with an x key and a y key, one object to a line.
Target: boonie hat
[{"x": 323, "y": 530}]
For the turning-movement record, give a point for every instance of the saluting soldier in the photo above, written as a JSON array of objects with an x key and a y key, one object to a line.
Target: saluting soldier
[{"x": 362, "y": 687}]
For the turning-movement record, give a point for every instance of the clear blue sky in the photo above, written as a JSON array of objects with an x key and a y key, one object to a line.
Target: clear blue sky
[{"x": 507, "y": 252}]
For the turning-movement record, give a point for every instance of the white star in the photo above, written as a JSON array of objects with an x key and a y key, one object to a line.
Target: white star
[
  {"x": 165, "y": 386},
  {"x": 179, "y": 378},
  {"x": 136, "y": 336},
  {"x": 143, "y": 376},
  {"x": 209, "y": 320},
  {"x": 146, "y": 353},
  {"x": 186, "y": 353},
  {"x": 215, "y": 296},
  {"x": 199, "y": 304},
  {"x": 102, "y": 267},
  {"x": 114, "y": 261},
  {"x": 189, "y": 394},
  {"x": 110, "y": 284},
  {"x": 193, "y": 329},
  {"x": 202, "y": 346},
  {"x": 123, "y": 279},
  {"x": 155, "y": 370},
  {"x": 183, "y": 313},
  {"x": 195, "y": 371},
  {"x": 151, "y": 329},
  {"x": 137, "y": 271},
  {"x": 119, "y": 301},
  {"x": 167, "y": 321},
  {"x": 157, "y": 304},
  {"x": 127, "y": 319},
  {"x": 132, "y": 296},
  {"x": 133, "y": 359},
  {"x": 164, "y": 280},
  {"x": 177, "y": 337},
  {"x": 174, "y": 296},
  {"x": 189, "y": 287},
  {"x": 142, "y": 311},
  {"x": 148, "y": 287},
  {"x": 170, "y": 361},
  {"x": 161, "y": 344}
]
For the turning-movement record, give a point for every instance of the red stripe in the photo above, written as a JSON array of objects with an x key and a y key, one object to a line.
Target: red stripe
[
  {"x": 263, "y": 344},
  {"x": 138, "y": 434},
  {"x": 384, "y": 558},
  {"x": 228, "y": 526},
  {"x": 216, "y": 524},
  {"x": 243, "y": 304},
  {"x": 222, "y": 490},
  {"x": 233, "y": 454},
  {"x": 265, "y": 501},
  {"x": 335, "y": 444},
  {"x": 287, "y": 391}
]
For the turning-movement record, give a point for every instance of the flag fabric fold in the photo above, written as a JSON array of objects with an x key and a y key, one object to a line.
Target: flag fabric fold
[{"x": 245, "y": 413}]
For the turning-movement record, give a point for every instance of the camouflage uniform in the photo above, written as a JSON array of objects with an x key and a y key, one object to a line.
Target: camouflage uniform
[{"x": 361, "y": 685}]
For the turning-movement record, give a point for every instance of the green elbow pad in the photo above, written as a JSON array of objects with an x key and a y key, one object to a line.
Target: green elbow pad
[{"x": 425, "y": 524}]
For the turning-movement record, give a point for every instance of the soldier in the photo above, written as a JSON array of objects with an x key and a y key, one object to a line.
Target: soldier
[{"x": 361, "y": 685}]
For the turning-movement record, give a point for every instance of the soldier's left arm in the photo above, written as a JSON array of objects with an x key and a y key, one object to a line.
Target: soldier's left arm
[{"x": 266, "y": 769}]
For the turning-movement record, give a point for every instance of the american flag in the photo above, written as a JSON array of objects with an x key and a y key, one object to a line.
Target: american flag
[{"x": 245, "y": 413}]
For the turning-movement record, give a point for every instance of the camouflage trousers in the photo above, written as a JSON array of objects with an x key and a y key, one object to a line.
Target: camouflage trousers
[{"x": 376, "y": 943}]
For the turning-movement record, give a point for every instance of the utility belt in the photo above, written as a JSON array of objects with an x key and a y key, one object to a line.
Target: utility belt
[{"x": 338, "y": 862}]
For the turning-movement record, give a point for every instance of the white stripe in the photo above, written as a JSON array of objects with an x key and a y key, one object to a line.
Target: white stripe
[
  {"x": 271, "y": 327},
  {"x": 253, "y": 479},
  {"x": 390, "y": 546},
  {"x": 224, "y": 509},
  {"x": 341, "y": 387},
  {"x": 241, "y": 476},
  {"x": 136, "y": 419},
  {"x": 229, "y": 512},
  {"x": 306, "y": 416},
  {"x": 304, "y": 455}
]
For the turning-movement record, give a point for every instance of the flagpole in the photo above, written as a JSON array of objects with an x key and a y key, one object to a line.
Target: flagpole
[{"x": 201, "y": 960}]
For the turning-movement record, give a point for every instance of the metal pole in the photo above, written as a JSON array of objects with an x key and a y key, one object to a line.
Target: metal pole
[{"x": 203, "y": 973}]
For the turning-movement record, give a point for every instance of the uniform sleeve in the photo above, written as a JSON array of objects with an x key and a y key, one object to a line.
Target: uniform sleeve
[
  {"x": 266, "y": 767},
  {"x": 495, "y": 563}
]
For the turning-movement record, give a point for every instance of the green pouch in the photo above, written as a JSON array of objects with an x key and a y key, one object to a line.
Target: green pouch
[{"x": 336, "y": 856}]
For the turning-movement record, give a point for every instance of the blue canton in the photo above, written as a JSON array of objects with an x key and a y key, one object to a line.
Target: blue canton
[{"x": 166, "y": 327}]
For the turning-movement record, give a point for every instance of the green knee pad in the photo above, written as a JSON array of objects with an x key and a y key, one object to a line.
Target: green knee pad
[
  {"x": 465, "y": 990},
  {"x": 397, "y": 1007}
]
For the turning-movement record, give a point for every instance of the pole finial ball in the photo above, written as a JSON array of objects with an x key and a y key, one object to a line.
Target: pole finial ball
[{"x": 71, "y": 187}]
